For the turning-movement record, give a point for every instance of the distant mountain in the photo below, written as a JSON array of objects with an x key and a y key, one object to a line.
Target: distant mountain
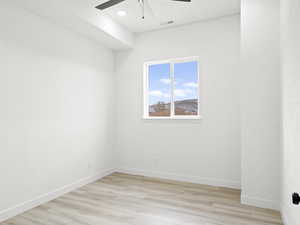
[
  {"x": 182, "y": 107},
  {"x": 186, "y": 107}
]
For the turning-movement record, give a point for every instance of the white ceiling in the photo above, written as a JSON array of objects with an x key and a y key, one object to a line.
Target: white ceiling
[
  {"x": 82, "y": 17},
  {"x": 118, "y": 32},
  {"x": 166, "y": 10}
]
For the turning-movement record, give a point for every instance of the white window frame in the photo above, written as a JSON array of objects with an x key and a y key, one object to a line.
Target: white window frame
[{"x": 146, "y": 88}]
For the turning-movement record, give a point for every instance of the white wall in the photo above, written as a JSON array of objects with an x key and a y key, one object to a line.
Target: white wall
[
  {"x": 56, "y": 107},
  {"x": 291, "y": 108},
  {"x": 58, "y": 116},
  {"x": 260, "y": 102},
  {"x": 205, "y": 151}
]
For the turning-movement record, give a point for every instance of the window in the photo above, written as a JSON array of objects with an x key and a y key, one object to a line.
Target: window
[{"x": 171, "y": 89}]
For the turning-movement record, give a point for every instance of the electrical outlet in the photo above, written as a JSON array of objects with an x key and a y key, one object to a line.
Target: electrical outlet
[{"x": 296, "y": 199}]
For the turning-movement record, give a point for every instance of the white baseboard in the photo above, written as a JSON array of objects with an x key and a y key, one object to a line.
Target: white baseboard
[
  {"x": 261, "y": 203},
  {"x": 287, "y": 218},
  {"x": 184, "y": 178},
  {"x": 22, "y": 207}
]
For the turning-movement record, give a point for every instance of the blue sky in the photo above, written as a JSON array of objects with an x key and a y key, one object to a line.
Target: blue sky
[{"x": 186, "y": 82}]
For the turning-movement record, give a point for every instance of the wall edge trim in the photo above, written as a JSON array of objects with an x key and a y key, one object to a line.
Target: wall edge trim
[
  {"x": 259, "y": 202},
  {"x": 44, "y": 198},
  {"x": 183, "y": 178}
]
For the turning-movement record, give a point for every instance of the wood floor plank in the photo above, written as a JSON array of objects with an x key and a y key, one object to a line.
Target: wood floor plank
[{"x": 123, "y": 199}]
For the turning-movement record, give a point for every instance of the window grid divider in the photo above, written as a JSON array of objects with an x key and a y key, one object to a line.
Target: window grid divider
[{"x": 172, "y": 76}]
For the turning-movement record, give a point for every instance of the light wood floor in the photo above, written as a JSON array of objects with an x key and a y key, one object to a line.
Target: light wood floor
[{"x": 121, "y": 199}]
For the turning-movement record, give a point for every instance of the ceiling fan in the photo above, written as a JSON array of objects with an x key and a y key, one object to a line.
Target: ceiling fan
[{"x": 111, "y": 3}]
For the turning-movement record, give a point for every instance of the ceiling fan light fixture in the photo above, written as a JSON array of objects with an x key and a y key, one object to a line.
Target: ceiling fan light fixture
[{"x": 121, "y": 13}]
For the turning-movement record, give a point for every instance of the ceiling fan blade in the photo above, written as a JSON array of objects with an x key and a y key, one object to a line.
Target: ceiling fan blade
[
  {"x": 149, "y": 9},
  {"x": 182, "y": 0},
  {"x": 108, "y": 4}
]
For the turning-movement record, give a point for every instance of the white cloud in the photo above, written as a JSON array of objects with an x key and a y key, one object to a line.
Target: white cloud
[
  {"x": 165, "y": 81},
  {"x": 179, "y": 93},
  {"x": 191, "y": 84},
  {"x": 157, "y": 93},
  {"x": 182, "y": 92},
  {"x": 189, "y": 91},
  {"x": 167, "y": 95}
]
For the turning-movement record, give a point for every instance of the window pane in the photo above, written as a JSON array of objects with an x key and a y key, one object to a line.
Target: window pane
[
  {"x": 159, "y": 90},
  {"x": 186, "y": 88}
]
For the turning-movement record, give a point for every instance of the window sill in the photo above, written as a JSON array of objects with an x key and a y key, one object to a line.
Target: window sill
[{"x": 174, "y": 118}]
